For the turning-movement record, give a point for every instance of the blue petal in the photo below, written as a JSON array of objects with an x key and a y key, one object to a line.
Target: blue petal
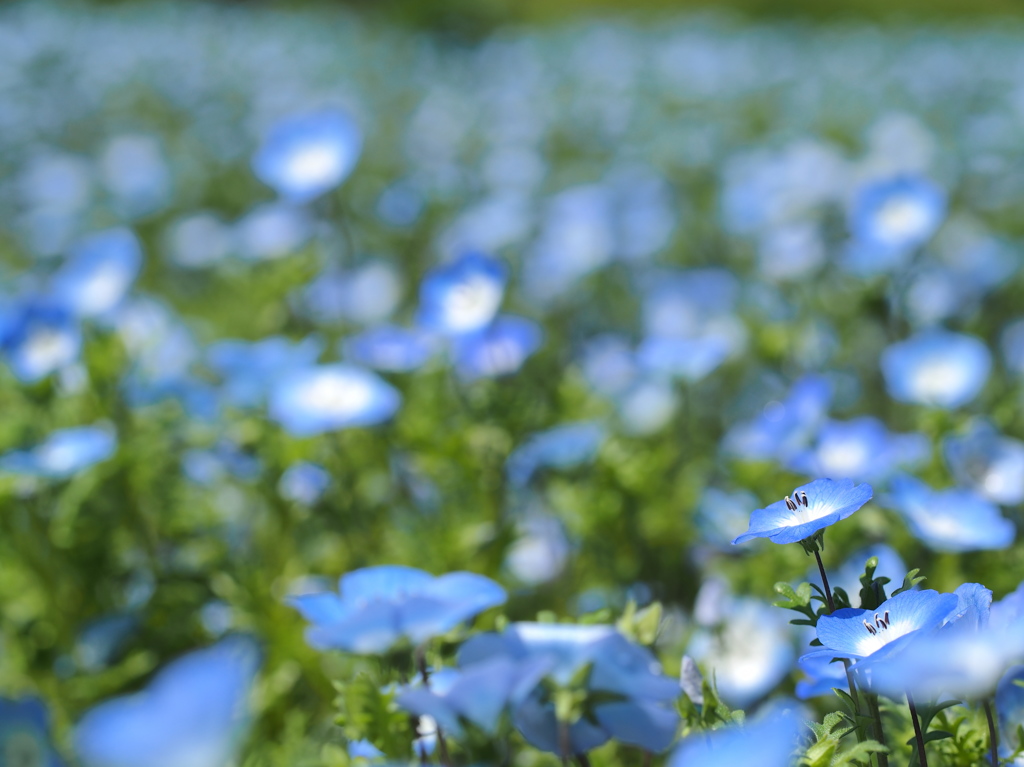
[
  {"x": 383, "y": 582},
  {"x": 323, "y": 609},
  {"x": 650, "y": 726},
  {"x": 372, "y": 628},
  {"x": 476, "y": 592},
  {"x": 424, "y": 702},
  {"x": 973, "y": 607}
]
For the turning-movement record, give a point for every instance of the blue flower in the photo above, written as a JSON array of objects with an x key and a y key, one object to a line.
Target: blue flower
[
  {"x": 771, "y": 741},
  {"x": 98, "y": 274},
  {"x": 690, "y": 359},
  {"x": 328, "y": 397},
  {"x": 378, "y": 607},
  {"x": 562, "y": 447},
  {"x": 813, "y": 507},
  {"x": 822, "y": 675},
  {"x": 390, "y": 348},
  {"x": 783, "y": 428},
  {"x": 950, "y": 520},
  {"x": 627, "y": 696},
  {"x": 988, "y": 462},
  {"x": 210, "y": 466},
  {"x": 364, "y": 749},
  {"x": 862, "y": 449},
  {"x": 63, "y": 453},
  {"x": 1012, "y": 344},
  {"x": 304, "y": 483},
  {"x": 499, "y": 350},
  {"x": 540, "y": 552},
  {"x": 462, "y": 296},
  {"x": 303, "y": 157},
  {"x": 39, "y": 337},
  {"x": 271, "y": 231},
  {"x": 250, "y": 368},
  {"x": 898, "y": 214},
  {"x": 936, "y": 368},
  {"x": 194, "y": 713},
  {"x": 1010, "y": 707},
  {"x": 25, "y": 734}
]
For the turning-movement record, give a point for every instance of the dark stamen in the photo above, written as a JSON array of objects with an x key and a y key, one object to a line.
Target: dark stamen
[
  {"x": 871, "y": 629},
  {"x": 790, "y": 504},
  {"x": 802, "y": 497}
]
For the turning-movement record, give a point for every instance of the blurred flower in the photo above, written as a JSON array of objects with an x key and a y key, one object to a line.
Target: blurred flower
[
  {"x": 782, "y": 428},
  {"x": 98, "y": 274},
  {"x": 949, "y": 520},
  {"x": 608, "y": 364},
  {"x": 1012, "y": 344},
  {"x": 897, "y": 215},
  {"x": 390, "y": 348},
  {"x": 767, "y": 742},
  {"x": 1010, "y": 706},
  {"x": 627, "y": 697},
  {"x": 100, "y": 641},
  {"x": 39, "y": 338},
  {"x": 721, "y": 516},
  {"x": 861, "y": 449},
  {"x": 936, "y": 368},
  {"x": 540, "y": 552},
  {"x": 647, "y": 407},
  {"x": 822, "y": 675},
  {"x": 250, "y": 369},
  {"x": 364, "y": 749},
  {"x": 562, "y": 447},
  {"x": 314, "y": 400},
  {"x": 462, "y": 296},
  {"x": 195, "y": 712},
  {"x": 25, "y": 734},
  {"x": 690, "y": 359},
  {"x": 211, "y": 466},
  {"x": 134, "y": 170},
  {"x": 749, "y": 653},
  {"x": 271, "y": 231},
  {"x": 379, "y": 607},
  {"x": 63, "y": 454},
  {"x": 303, "y": 482},
  {"x": 791, "y": 251},
  {"x": 988, "y": 462},
  {"x": 498, "y": 350},
  {"x": 813, "y": 507},
  {"x": 199, "y": 240},
  {"x": 367, "y": 295},
  {"x": 303, "y": 157}
]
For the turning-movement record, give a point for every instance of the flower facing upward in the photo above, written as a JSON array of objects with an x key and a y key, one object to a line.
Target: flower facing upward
[{"x": 812, "y": 507}]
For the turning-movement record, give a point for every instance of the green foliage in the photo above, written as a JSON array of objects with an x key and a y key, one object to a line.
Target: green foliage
[{"x": 829, "y": 750}]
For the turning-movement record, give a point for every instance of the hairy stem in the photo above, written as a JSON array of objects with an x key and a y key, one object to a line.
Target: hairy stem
[
  {"x": 922, "y": 757},
  {"x": 993, "y": 733}
]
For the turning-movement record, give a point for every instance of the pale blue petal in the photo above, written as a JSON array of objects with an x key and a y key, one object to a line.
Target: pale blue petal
[
  {"x": 650, "y": 726},
  {"x": 383, "y": 582}
]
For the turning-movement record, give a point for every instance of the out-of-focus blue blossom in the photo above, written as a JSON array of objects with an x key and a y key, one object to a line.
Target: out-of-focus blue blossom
[
  {"x": 862, "y": 449},
  {"x": 250, "y": 369},
  {"x": 540, "y": 552},
  {"x": 493, "y": 223},
  {"x": 1008, "y": 612},
  {"x": 463, "y": 296},
  {"x": 364, "y": 749},
  {"x": 855, "y": 633},
  {"x": 303, "y": 157},
  {"x": 194, "y": 712},
  {"x": 391, "y": 348},
  {"x": 690, "y": 359},
  {"x": 821, "y": 676},
  {"x": 271, "y": 231},
  {"x": 56, "y": 189},
  {"x": 890, "y": 565},
  {"x": 768, "y": 742},
  {"x": 401, "y": 204},
  {"x": 38, "y": 338},
  {"x": 749, "y": 653},
  {"x": 647, "y": 407},
  {"x": 98, "y": 273},
  {"x": 367, "y": 295},
  {"x": 897, "y": 215},
  {"x": 303, "y": 482},
  {"x": 328, "y": 397},
  {"x": 950, "y": 520},
  {"x": 936, "y": 368},
  {"x": 791, "y": 252},
  {"x": 1012, "y": 344},
  {"x": 62, "y": 454},
  {"x": 198, "y": 241},
  {"x": 639, "y": 710},
  {"x": 1010, "y": 707},
  {"x": 609, "y": 365},
  {"x": 562, "y": 447},
  {"x": 378, "y": 607},
  {"x": 99, "y": 642},
  {"x": 210, "y": 466},
  {"x": 782, "y": 428},
  {"x": 135, "y": 172},
  {"x": 25, "y": 734},
  {"x": 498, "y": 350},
  {"x": 813, "y": 507},
  {"x": 988, "y": 462},
  {"x": 722, "y": 516}
]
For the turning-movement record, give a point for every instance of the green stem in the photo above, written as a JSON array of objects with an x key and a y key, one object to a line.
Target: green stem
[
  {"x": 922, "y": 757},
  {"x": 824, "y": 582},
  {"x": 876, "y": 714},
  {"x": 993, "y": 733}
]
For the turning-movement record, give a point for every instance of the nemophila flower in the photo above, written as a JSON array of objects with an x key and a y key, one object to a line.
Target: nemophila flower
[
  {"x": 367, "y": 295},
  {"x": 608, "y": 364},
  {"x": 1012, "y": 344},
  {"x": 134, "y": 170},
  {"x": 63, "y": 453},
  {"x": 25, "y": 734},
  {"x": 822, "y": 674},
  {"x": 328, "y": 397},
  {"x": 562, "y": 447},
  {"x": 647, "y": 406},
  {"x": 462, "y": 296},
  {"x": 271, "y": 231},
  {"x": 101, "y": 640},
  {"x": 364, "y": 749},
  {"x": 39, "y": 337},
  {"x": 540, "y": 552},
  {"x": 936, "y": 368},
  {"x": 210, "y": 466},
  {"x": 498, "y": 350},
  {"x": 379, "y": 607},
  {"x": 988, "y": 462},
  {"x": 862, "y": 449},
  {"x": 98, "y": 273},
  {"x": 770, "y": 741},
  {"x": 791, "y": 251},
  {"x": 249, "y": 369},
  {"x": 390, "y": 348},
  {"x": 749, "y": 653},
  {"x": 627, "y": 697},
  {"x": 198, "y": 241},
  {"x": 897, "y": 214},
  {"x": 784, "y": 428},
  {"x": 690, "y": 359},
  {"x": 303, "y": 482},
  {"x": 194, "y": 712},
  {"x": 949, "y": 520},
  {"x": 1010, "y": 707},
  {"x": 304, "y": 156},
  {"x": 813, "y": 507}
]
